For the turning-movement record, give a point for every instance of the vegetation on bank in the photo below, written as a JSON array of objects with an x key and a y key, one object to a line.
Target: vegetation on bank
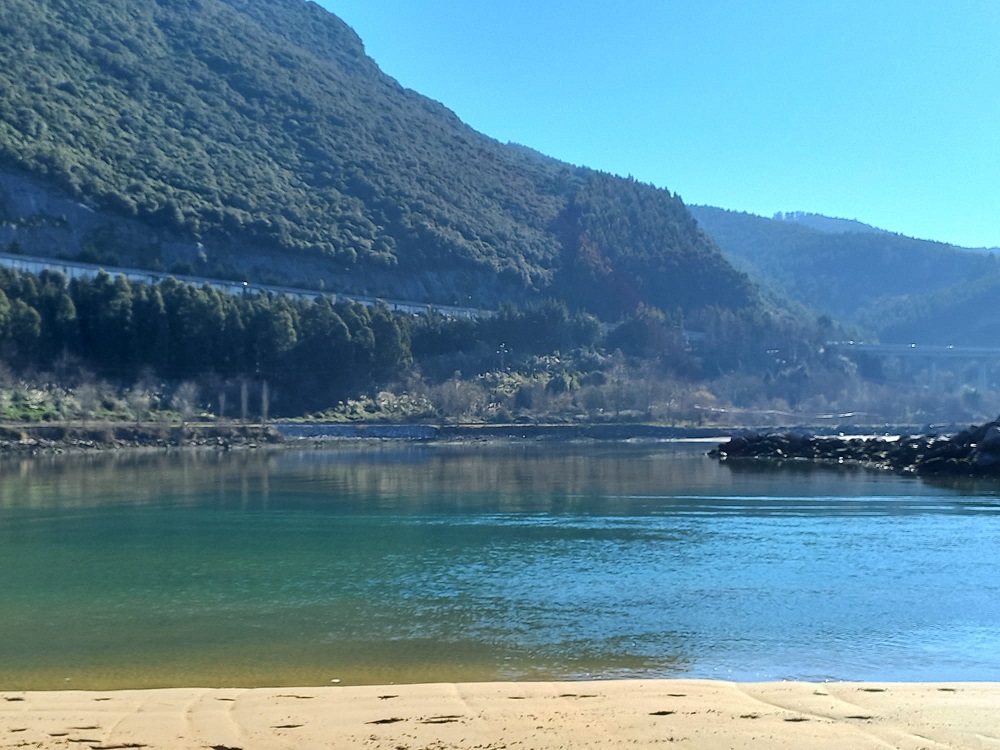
[{"x": 107, "y": 349}]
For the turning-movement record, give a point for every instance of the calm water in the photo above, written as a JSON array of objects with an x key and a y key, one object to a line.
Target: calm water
[{"x": 477, "y": 563}]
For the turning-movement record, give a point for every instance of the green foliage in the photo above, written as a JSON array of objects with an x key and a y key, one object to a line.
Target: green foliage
[
  {"x": 314, "y": 353},
  {"x": 629, "y": 244},
  {"x": 648, "y": 334}
]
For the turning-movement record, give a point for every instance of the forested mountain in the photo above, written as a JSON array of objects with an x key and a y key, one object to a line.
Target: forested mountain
[
  {"x": 845, "y": 274},
  {"x": 256, "y": 139}
]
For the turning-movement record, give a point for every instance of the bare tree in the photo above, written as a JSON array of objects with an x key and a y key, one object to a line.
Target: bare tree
[
  {"x": 139, "y": 402},
  {"x": 89, "y": 399},
  {"x": 244, "y": 400},
  {"x": 184, "y": 400}
]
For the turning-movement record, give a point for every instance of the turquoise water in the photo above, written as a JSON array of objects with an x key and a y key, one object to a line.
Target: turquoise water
[{"x": 425, "y": 563}]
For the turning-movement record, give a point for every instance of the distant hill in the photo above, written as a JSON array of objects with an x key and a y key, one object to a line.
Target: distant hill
[
  {"x": 832, "y": 225},
  {"x": 827, "y": 224},
  {"x": 256, "y": 139},
  {"x": 851, "y": 275},
  {"x": 966, "y": 314}
]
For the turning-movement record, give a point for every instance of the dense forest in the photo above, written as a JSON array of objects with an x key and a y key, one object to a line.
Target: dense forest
[
  {"x": 105, "y": 348},
  {"x": 262, "y": 136}
]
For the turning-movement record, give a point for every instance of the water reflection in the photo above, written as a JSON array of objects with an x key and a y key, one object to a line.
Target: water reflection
[{"x": 133, "y": 478}]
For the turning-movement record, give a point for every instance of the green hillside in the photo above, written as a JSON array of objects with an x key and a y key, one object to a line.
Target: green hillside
[
  {"x": 965, "y": 314},
  {"x": 260, "y": 134},
  {"x": 849, "y": 274}
]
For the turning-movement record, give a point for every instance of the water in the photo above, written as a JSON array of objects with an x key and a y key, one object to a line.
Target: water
[{"x": 428, "y": 563}]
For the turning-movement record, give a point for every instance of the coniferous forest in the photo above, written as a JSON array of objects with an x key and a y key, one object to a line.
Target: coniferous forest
[{"x": 105, "y": 347}]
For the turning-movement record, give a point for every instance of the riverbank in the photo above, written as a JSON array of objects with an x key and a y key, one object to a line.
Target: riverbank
[
  {"x": 20, "y": 438},
  {"x": 695, "y": 714},
  {"x": 78, "y": 437}
]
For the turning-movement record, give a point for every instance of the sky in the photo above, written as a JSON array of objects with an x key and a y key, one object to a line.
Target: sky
[{"x": 885, "y": 111}]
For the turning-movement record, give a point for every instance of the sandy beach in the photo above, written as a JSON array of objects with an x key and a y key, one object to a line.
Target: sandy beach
[{"x": 490, "y": 716}]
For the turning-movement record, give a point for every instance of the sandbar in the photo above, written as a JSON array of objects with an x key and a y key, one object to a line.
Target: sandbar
[{"x": 692, "y": 714}]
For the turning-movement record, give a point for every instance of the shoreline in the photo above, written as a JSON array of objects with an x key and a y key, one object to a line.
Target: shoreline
[
  {"x": 30, "y": 438},
  {"x": 698, "y": 714},
  {"x": 42, "y": 438}
]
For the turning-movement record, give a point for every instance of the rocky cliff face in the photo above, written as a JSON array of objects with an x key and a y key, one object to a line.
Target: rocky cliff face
[
  {"x": 41, "y": 220},
  {"x": 38, "y": 219}
]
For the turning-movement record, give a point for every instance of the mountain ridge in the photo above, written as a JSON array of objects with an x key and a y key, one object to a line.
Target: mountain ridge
[{"x": 828, "y": 224}]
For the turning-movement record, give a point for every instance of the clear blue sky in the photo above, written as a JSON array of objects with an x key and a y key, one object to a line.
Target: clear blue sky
[{"x": 887, "y": 111}]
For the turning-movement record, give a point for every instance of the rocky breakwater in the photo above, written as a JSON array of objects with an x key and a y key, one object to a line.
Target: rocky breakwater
[{"x": 971, "y": 452}]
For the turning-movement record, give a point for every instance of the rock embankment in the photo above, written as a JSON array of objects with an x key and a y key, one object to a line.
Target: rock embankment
[{"x": 971, "y": 452}]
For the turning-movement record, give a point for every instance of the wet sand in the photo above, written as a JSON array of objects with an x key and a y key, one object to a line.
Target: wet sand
[{"x": 698, "y": 714}]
